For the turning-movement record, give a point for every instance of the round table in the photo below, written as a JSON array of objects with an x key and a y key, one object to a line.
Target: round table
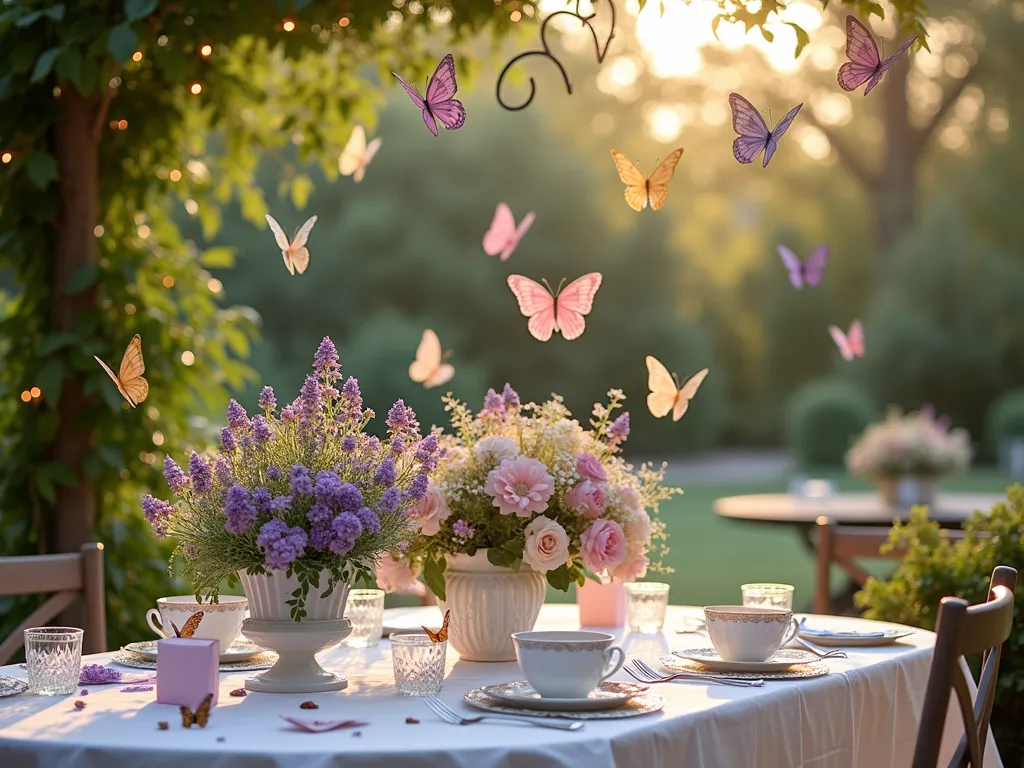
[{"x": 863, "y": 713}]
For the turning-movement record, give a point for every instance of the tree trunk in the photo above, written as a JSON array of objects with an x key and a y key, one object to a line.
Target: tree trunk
[
  {"x": 894, "y": 197},
  {"x": 73, "y": 517}
]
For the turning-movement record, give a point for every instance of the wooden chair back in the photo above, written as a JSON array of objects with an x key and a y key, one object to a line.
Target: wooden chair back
[
  {"x": 66, "y": 578},
  {"x": 965, "y": 630}
]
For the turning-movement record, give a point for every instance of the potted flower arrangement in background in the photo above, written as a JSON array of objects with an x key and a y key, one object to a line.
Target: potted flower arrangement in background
[
  {"x": 907, "y": 456},
  {"x": 523, "y": 496}
]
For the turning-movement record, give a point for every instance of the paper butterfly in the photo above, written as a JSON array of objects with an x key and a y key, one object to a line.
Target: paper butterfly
[
  {"x": 189, "y": 627},
  {"x": 429, "y": 368},
  {"x": 296, "y": 257},
  {"x": 357, "y": 154},
  {"x": 850, "y": 345},
  {"x": 129, "y": 376},
  {"x": 865, "y": 65},
  {"x": 639, "y": 188},
  {"x": 754, "y": 135},
  {"x": 200, "y": 717},
  {"x": 807, "y": 272},
  {"x": 321, "y": 726},
  {"x": 666, "y": 394},
  {"x": 439, "y": 103},
  {"x": 504, "y": 235},
  {"x": 560, "y": 310},
  {"x": 442, "y": 634}
]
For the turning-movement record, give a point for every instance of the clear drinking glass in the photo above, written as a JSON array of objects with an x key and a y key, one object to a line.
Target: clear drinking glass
[
  {"x": 53, "y": 656},
  {"x": 767, "y": 596},
  {"x": 365, "y": 609},
  {"x": 645, "y": 606},
  {"x": 419, "y": 663}
]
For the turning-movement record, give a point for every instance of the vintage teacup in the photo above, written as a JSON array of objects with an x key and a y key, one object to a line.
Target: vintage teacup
[
  {"x": 742, "y": 633},
  {"x": 567, "y": 665},
  {"x": 221, "y": 621}
]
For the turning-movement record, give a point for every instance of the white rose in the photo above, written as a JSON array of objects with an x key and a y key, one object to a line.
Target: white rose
[
  {"x": 429, "y": 511},
  {"x": 547, "y": 545},
  {"x": 495, "y": 449}
]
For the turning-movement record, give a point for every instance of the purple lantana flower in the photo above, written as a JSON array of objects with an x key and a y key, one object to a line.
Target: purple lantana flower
[
  {"x": 157, "y": 512},
  {"x": 418, "y": 487},
  {"x": 426, "y": 453},
  {"x": 389, "y": 500},
  {"x": 385, "y": 474},
  {"x": 227, "y": 440},
  {"x": 350, "y": 498},
  {"x": 347, "y": 529},
  {"x": 348, "y": 443},
  {"x": 510, "y": 396},
  {"x": 463, "y": 529},
  {"x": 325, "y": 361},
  {"x": 301, "y": 484},
  {"x": 397, "y": 445},
  {"x": 267, "y": 399},
  {"x": 260, "y": 498},
  {"x": 238, "y": 510},
  {"x": 261, "y": 431},
  {"x": 237, "y": 417},
  {"x": 494, "y": 404},
  {"x": 310, "y": 399},
  {"x": 402, "y": 419},
  {"x": 177, "y": 480},
  {"x": 619, "y": 429},
  {"x": 281, "y": 505},
  {"x": 281, "y": 545},
  {"x": 273, "y": 473},
  {"x": 369, "y": 520},
  {"x": 202, "y": 481}
]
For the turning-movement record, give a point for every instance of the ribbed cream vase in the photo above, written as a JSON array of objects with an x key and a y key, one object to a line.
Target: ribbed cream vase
[
  {"x": 268, "y": 595},
  {"x": 489, "y": 603}
]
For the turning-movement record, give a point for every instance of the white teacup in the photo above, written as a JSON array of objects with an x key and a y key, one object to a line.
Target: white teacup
[
  {"x": 742, "y": 633},
  {"x": 221, "y": 621},
  {"x": 567, "y": 665}
]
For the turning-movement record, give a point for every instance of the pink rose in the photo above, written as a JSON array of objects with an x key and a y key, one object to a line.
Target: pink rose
[
  {"x": 429, "y": 511},
  {"x": 520, "y": 486},
  {"x": 603, "y": 545},
  {"x": 632, "y": 568},
  {"x": 395, "y": 576},
  {"x": 590, "y": 468},
  {"x": 586, "y": 498},
  {"x": 547, "y": 545}
]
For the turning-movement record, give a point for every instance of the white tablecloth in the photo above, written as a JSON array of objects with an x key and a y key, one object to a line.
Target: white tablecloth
[{"x": 864, "y": 713}]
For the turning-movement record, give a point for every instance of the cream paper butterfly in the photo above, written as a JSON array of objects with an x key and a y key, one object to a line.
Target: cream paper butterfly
[
  {"x": 357, "y": 154},
  {"x": 296, "y": 257},
  {"x": 129, "y": 379},
  {"x": 666, "y": 393},
  {"x": 429, "y": 368}
]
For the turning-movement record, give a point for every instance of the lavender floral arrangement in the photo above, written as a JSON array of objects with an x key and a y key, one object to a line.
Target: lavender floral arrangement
[{"x": 299, "y": 491}]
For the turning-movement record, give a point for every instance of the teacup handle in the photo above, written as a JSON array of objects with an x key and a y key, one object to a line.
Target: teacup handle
[
  {"x": 154, "y": 615},
  {"x": 794, "y": 627},
  {"x": 611, "y": 667}
]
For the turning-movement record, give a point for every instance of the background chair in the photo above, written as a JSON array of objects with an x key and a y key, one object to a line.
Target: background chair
[
  {"x": 68, "y": 577},
  {"x": 964, "y": 630}
]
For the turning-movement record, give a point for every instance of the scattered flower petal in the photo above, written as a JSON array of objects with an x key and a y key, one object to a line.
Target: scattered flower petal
[
  {"x": 412, "y": 721},
  {"x": 239, "y": 692},
  {"x": 308, "y": 705},
  {"x": 79, "y": 705},
  {"x": 162, "y": 725}
]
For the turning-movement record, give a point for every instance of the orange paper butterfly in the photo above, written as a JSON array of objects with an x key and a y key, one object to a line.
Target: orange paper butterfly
[
  {"x": 200, "y": 717},
  {"x": 640, "y": 189},
  {"x": 129, "y": 377},
  {"x": 189, "y": 628},
  {"x": 442, "y": 634}
]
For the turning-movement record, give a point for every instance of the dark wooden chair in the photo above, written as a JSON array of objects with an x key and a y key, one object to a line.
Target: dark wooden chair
[
  {"x": 68, "y": 578},
  {"x": 965, "y": 630}
]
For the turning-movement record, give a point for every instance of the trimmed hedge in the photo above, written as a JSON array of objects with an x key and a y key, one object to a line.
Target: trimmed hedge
[
  {"x": 1005, "y": 419},
  {"x": 822, "y": 419}
]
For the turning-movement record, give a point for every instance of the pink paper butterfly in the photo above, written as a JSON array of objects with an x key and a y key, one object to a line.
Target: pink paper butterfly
[
  {"x": 807, "y": 272},
  {"x": 754, "y": 135},
  {"x": 439, "y": 103},
  {"x": 850, "y": 345},
  {"x": 560, "y": 310},
  {"x": 504, "y": 235},
  {"x": 865, "y": 65}
]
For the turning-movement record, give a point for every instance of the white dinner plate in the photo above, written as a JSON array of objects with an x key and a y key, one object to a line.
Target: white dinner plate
[
  {"x": 840, "y": 639},
  {"x": 11, "y": 686},
  {"x": 605, "y": 696},
  {"x": 780, "y": 662},
  {"x": 240, "y": 650},
  {"x": 638, "y": 705}
]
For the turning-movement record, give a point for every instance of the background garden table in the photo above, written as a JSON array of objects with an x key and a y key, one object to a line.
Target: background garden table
[{"x": 864, "y": 713}]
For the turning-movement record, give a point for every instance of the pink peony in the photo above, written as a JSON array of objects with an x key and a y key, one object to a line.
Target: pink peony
[
  {"x": 429, "y": 511},
  {"x": 586, "y": 498},
  {"x": 395, "y": 576},
  {"x": 632, "y": 568},
  {"x": 603, "y": 545},
  {"x": 547, "y": 545},
  {"x": 520, "y": 486},
  {"x": 590, "y": 468}
]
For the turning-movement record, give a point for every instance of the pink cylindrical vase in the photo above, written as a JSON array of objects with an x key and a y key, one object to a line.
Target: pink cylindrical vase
[{"x": 601, "y": 605}]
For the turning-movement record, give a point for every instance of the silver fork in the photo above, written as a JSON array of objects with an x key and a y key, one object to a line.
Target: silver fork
[
  {"x": 449, "y": 715},
  {"x": 821, "y": 653},
  {"x": 639, "y": 671}
]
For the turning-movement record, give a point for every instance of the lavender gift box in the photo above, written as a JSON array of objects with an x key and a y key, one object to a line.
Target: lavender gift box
[{"x": 187, "y": 670}]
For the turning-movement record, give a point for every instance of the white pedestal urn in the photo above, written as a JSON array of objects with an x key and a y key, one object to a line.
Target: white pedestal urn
[
  {"x": 489, "y": 603},
  {"x": 908, "y": 490},
  {"x": 270, "y": 625}
]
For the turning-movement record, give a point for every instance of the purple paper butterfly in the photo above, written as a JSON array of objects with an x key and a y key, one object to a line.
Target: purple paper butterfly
[
  {"x": 865, "y": 65},
  {"x": 754, "y": 135},
  {"x": 807, "y": 272},
  {"x": 439, "y": 104}
]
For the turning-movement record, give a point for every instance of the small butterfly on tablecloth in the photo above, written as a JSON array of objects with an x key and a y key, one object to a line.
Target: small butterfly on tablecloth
[
  {"x": 806, "y": 272},
  {"x": 865, "y": 65},
  {"x": 561, "y": 310},
  {"x": 200, "y": 717},
  {"x": 295, "y": 254},
  {"x": 666, "y": 392},
  {"x": 640, "y": 189},
  {"x": 129, "y": 379},
  {"x": 503, "y": 237},
  {"x": 429, "y": 368},
  {"x": 357, "y": 154},
  {"x": 189, "y": 627},
  {"x": 850, "y": 344},
  {"x": 442, "y": 634},
  {"x": 440, "y": 102},
  {"x": 754, "y": 136}
]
